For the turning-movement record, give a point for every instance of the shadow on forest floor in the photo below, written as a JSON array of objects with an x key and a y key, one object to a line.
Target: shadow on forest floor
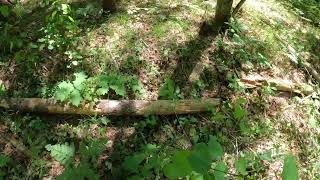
[{"x": 127, "y": 135}]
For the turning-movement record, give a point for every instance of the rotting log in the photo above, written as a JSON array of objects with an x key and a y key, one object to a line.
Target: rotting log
[
  {"x": 278, "y": 84},
  {"x": 111, "y": 107}
]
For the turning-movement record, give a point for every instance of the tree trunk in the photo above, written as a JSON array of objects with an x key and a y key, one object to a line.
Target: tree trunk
[
  {"x": 223, "y": 12},
  {"x": 111, "y": 107},
  {"x": 109, "y": 5}
]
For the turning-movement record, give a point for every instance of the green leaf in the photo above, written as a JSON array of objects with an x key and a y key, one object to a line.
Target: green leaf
[
  {"x": 81, "y": 172},
  {"x": 218, "y": 117},
  {"x": 92, "y": 149},
  {"x": 241, "y": 101},
  {"x": 243, "y": 127},
  {"x": 132, "y": 163},
  {"x": 215, "y": 149},
  {"x": 5, "y": 11},
  {"x": 3, "y": 160},
  {"x": 290, "y": 170},
  {"x": 179, "y": 167},
  {"x": 239, "y": 112},
  {"x": 103, "y": 91},
  {"x": 208, "y": 176},
  {"x": 220, "y": 171},
  {"x": 149, "y": 149},
  {"x": 137, "y": 87},
  {"x": 197, "y": 176},
  {"x": 71, "y": 19},
  {"x": 200, "y": 159},
  {"x": 168, "y": 89},
  {"x": 75, "y": 98},
  {"x": 61, "y": 152},
  {"x": 241, "y": 166},
  {"x": 63, "y": 91},
  {"x": 79, "y": 81},
  {"x": 65, "y": 8},
  {"x": 50, "y": 47},
  {"x": 119, "y": 89}
]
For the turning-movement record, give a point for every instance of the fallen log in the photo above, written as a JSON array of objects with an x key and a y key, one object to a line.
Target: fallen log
[
  {"x": 111, "y": 107},
  {"x": 279, "y": 85}
]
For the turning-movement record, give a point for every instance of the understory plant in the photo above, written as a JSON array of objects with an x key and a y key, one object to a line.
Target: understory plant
[{"x": 84, "y": 88}]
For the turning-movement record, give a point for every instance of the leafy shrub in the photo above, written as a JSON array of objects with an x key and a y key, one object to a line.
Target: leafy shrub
[
  {"x": 61, "y": 152},
  {"x": 307, "y": 8},
  {"x": 238, "y": 48},
  {"x": 10, "y": 36},
  {"x": 61, "y": 27},
  {"x": 199, "y": 160},
  {"x": 89, "y": 152},
  {"x": 84, "y": 88},
  {"x": 3, "y": 162},
  {"x": 150, "y": 163}
]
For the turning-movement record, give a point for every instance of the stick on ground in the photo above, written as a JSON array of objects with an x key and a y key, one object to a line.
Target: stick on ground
[
  {"x": 111, "y": 107},
  {"x": 278, "y": 84}
]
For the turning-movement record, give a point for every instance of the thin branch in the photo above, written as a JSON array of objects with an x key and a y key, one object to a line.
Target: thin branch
[{"x": 238, "y": 7}]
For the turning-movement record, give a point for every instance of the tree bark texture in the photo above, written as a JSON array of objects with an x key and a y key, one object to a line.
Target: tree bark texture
[
  {"x": 111, "y": 107},
  {"x": 278, "y": 84},
  {"x": 109, "y": 5},
  {"x": 223, "y": 11}
]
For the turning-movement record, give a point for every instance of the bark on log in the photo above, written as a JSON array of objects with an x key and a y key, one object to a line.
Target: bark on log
[
  {"x": 111, "y": 107},
  {"x": 280, "y": 85}
]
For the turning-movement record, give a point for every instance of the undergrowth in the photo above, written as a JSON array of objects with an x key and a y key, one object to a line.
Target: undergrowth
[{"x": 78, "y": 55}]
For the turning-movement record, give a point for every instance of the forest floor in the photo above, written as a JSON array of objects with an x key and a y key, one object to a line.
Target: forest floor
[{"x": 159, "y": 43}]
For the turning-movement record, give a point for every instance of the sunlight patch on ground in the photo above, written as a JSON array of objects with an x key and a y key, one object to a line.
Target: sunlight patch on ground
[{"x": 269, "y": 9}]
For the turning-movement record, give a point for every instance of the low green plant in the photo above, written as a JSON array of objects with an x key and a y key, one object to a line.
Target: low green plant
[
  {"x": 239, "y": 48},
  {"x": 169, "y": 90},
  {"x": 83, "y": 88},
  {"x": 62, "y": 152},
  {"x": 2, "y": 89},
  {"x": 61, "y": 27},
  {"x": 10, "y": 38},
  {"x": 197, "y": 162},
  {"x": 309, "y": 9},
  {"x": 4, "y": 159},
  {"x": 89, "y": 151},
  {"x": 147, "y": 163},
  {"x": 290, "y": 170}
]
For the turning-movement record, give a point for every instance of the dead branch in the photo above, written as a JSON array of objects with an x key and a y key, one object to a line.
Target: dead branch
[
  {"x": 279, "y": 85},
  {"x": 238, "y": 7},
  {"x": 111, "y": 107}
]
